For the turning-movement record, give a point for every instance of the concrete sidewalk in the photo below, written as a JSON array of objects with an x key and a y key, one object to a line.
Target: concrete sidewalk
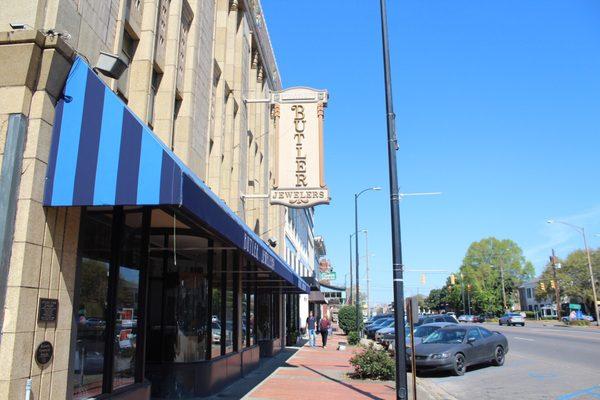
[{"x": 316, "y": 373}]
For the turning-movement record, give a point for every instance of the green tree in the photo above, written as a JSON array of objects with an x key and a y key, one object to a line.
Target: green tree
[
  {"x": 347, "y": 319},
  {"x": 573, "y": 279},
  {"x": 481, "y": 269}
]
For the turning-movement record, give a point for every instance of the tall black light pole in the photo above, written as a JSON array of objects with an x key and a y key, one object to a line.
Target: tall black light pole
[
  {"x": 401, "y": 383},
  {"x": 350, "y": 292},
  {"x": 357, "y": 298}
]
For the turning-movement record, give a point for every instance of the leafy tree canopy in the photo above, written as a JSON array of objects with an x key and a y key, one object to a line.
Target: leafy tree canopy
[
  {"x": 573, "y": 279},
  {"x": 479, "y": 280}
]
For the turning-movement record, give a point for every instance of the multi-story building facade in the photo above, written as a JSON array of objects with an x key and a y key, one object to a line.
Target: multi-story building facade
[
  {"x": 546, "y": 308},
  {"x": 300, "y": 254},
  {"x": 127, "y": 202}
]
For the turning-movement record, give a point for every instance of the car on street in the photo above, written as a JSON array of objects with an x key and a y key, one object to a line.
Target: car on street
[
  {"x": 436, "y": 318},
  {"x": 583, "y": 317},
  {"x": 371, "y": 329},
  {"x": 466, "y": 318},
  {"x": 386, "y": 327},
  {"x": 454, "y": 348},
  {"x": 376, "y": 318},
  {"x": 421, "y": 332},
  {"x": 478, "y": 318},
  {"x": 511, "y": 319}
]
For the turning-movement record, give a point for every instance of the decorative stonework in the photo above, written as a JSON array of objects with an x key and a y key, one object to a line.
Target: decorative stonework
[
  {"x": 320, "y": 110},
  {"x": 254, "y": 59},
  {"x": 233, "y": 5},
  {"x": 260, "y": 74}
]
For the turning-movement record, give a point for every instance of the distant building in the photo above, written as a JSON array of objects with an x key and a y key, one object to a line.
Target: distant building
[{"x": 527, "y": 296}]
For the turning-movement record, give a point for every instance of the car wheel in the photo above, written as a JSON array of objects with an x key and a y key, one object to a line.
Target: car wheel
[
  {"x": 500, "y": 323},
  {"x": 523, "y": 324},
  {"x": 459, "y": 365},
  {"x": 498, "y": 359}
]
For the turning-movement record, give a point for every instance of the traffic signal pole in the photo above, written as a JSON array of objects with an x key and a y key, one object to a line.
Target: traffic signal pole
[{"x": 400, "y": 353}]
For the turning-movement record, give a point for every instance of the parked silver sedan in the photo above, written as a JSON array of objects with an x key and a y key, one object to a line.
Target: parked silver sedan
[{"x": 511, "y": 319}]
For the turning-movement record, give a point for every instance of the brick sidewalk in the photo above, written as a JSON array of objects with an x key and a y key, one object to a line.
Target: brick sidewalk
[{"x": 322, "y": 373}]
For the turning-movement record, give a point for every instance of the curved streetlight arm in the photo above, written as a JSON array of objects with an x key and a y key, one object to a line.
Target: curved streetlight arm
[
  {"x": 577, "y": 228},
  {"x": 357, "y": 195}
]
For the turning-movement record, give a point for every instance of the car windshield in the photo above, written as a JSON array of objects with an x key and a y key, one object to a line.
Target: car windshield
[
  {"x": 424, "y": 331},
  {"x": 446, "y": 336},
  {"x": 514, "y": 315}
]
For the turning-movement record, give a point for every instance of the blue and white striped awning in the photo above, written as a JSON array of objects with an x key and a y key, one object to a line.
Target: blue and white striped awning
[{"x": 103, "y": 155}]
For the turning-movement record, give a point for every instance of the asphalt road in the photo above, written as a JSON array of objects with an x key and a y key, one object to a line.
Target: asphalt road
[{"x": 544, "y": 362}]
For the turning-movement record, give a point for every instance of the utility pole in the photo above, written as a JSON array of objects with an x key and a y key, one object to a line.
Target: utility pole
[
  {"x": 469, "y": 297},
  {"x": 368, "y": 280},
  {"x": 556, "y": 287},
  {"x": 462, "y": 293},
  {"x": 397, "y": 266},
  {"x": 502, "y": 282}
]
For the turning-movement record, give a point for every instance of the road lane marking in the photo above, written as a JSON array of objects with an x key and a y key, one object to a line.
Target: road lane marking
[
  {"x": 522, "y": 338},
  {"x": 593, "y": 391}
]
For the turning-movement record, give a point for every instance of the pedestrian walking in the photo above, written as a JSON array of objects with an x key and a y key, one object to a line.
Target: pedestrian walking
[
  {"x": 324, "y": 326},
  {"x": 311, "y": 325}
]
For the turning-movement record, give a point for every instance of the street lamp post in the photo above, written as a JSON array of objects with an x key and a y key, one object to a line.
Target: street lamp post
[
  {"x": 357, "y": 261},
  {"x": 350, "y": 237},
  {"x": 503, "y": 286},
  {"x": 392, "y": 145},
  {"x": 350, "y": 292},
  {"x": 581, "y": 230},
  {"x": 368, "y": 280}
]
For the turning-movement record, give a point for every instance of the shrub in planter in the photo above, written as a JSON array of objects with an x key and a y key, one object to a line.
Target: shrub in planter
[
  {"x": 578, "y": 323},
  {"x": 373, "y": 364},
  {"x": 530, "y": 314},
  {"x": 347, "y": 319},
  {"x": 353, "y": 338}
]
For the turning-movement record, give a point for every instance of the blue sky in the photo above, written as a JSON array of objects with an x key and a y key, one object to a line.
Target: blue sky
[{"x": 497, "y": 106}]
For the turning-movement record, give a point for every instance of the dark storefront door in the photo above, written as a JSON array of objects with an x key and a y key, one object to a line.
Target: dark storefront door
[{"x": 107, "y": 352}]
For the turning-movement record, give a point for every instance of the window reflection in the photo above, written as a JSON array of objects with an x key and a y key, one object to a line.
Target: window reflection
[
  {"x": 127, "y": 310},
  {"x": 177, "y": 292},
  {"x": 216, "y": 304},
  {"x": 91, "y": 315},
  {"x": 229, "y": 304}
]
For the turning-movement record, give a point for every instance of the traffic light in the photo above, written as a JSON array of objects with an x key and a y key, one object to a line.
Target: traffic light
[
  {"x": 453, "y": 279},
  {"x": 423, "y": 279},
  {"x": 552, "y": 284},
  {"x": 543, "y": 286}
]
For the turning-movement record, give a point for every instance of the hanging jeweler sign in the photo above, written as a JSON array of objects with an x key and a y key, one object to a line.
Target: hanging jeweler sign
[{"x": 299, "y": 179}]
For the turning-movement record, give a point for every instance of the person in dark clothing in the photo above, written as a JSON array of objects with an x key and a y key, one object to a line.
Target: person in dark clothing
[
  {"x": 311, "y": 324},
  {"x": 324, "y": 326}
]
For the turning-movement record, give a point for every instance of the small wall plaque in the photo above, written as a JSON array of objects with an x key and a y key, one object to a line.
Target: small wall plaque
[
  {"x": 44, "y": 353},
  {"x": 48, "y": 310}
]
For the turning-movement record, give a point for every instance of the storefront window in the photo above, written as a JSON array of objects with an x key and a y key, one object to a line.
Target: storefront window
[
  {"x": 229, "y": 305},
  {"x": 252, "y": 323},
  {"x": 245, "y": 316},
  {"x": 264, "y": 303},
  {"x": 178, "y": 292},
  {"x": 127, "y": 307},
  {"x": 217, "y": 295},
  {"x": 275, "y": 315},
  {"x": 95, "y": 253}
]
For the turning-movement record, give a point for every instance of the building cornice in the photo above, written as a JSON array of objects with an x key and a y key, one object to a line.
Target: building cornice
[{"x": 258, "y": 25}]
